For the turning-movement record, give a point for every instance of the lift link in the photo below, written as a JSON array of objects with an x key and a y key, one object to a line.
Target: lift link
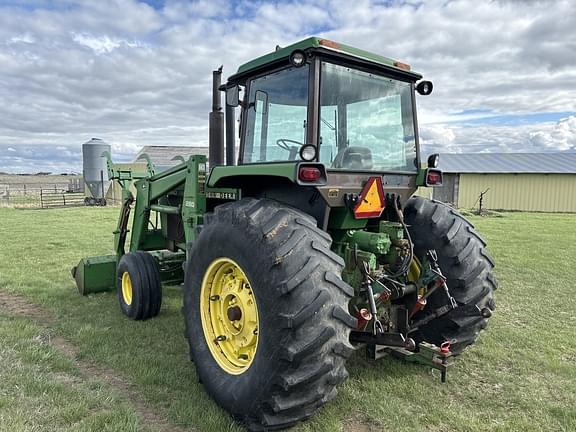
[
  {"x": 370, "y": 293},
  {"x": 433, "y": 286},
  {"x": 433, "y": 258},
  {"x": 379, "y": 338}
]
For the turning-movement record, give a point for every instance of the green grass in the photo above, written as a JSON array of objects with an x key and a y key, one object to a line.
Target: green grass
[
  {"x": 43, "y": 391},
  {"x": 521, "y": 375}
]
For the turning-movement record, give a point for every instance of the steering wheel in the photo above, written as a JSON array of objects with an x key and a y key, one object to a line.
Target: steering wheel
[{"x": 284, "y": 144}]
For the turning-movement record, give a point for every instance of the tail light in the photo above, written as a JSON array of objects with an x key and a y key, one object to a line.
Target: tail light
[{"x": 309, "y": 174}]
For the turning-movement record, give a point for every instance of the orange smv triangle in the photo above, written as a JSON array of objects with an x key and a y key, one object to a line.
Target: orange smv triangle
[{"x": 371, "y": 201}]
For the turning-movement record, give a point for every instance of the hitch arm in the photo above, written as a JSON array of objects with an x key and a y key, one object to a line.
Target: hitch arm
[{"x": 430, "y": 355}]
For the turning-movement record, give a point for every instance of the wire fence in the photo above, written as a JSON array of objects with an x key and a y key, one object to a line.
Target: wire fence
[{"x": 42, "y": 195}]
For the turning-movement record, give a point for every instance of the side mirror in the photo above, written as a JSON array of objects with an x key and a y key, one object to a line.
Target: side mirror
[
  {"x": 424, "y": 87},
  {"x": 233, "y": 95},
  {"x": 433, "y": 160}
]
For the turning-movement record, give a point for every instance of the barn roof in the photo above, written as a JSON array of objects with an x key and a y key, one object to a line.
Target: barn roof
[
  {"x": 162, "y": 156},
  {"x": 513, "y": 163}
]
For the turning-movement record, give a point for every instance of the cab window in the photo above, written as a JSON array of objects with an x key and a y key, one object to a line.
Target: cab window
[{"x": 276, "y": 116}]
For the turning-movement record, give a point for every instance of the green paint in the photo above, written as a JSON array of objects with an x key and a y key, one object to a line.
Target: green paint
[
  {"x": 98, "y": 274},
  {"x": 351, "y": 274},
  {"x": 95, "y": 274},
  {"x": 194, "y": 199},
  {"x": 421, "y": 177},
  {"x": 311, "y": 44},
  {"x": 141, "y": 214},
  {"x": 375, "y": 248},
  {"x": 286, "y": 170},
  {"x": 377, "y": 243},
  {"x": 394, "y": 230},
  {"x": 342, "y": 218},
  {"x": 428, "y": 355}
]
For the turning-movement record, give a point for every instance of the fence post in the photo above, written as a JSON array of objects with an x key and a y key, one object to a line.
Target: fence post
[
  {"x": 102, "y": 182},
  {"x": 64, "y": 199}
]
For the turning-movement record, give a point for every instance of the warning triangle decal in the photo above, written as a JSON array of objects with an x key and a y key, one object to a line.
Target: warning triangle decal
[{"x": 371, "y": 201}]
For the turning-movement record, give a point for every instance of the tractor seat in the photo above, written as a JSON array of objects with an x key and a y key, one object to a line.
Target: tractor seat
[{"x": 353, "y": 158}]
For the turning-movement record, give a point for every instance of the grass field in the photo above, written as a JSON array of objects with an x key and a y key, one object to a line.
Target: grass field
[{"x": 74, "y": 363}]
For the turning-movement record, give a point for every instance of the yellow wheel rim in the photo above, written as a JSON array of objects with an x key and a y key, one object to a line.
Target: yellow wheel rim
[
  {"x": 127, "y": 288},
  {"x": 229, "y": 315}
]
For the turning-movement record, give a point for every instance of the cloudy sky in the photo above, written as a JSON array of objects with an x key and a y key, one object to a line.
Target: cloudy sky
[{"x": 138, "y": 72}]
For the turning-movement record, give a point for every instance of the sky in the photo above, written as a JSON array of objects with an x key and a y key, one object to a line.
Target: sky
[{"x": 138, "y": 73}]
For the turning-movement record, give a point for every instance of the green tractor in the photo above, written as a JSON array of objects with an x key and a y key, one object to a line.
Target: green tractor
[{"x": 308, "y": 244}]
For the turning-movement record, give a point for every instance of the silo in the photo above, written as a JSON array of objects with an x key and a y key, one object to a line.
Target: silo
[{"x": 95, "y": 169}]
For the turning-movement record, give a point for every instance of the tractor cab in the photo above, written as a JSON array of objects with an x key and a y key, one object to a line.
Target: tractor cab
[
  {"x": 326, "y": 102},
  {"x": 320, "y": 103}
]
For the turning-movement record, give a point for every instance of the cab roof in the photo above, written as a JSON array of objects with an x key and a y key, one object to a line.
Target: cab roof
[{"x": 282, "y": 54}]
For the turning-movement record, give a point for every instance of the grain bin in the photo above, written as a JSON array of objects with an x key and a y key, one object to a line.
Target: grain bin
[{"x": 95, "y": 171}]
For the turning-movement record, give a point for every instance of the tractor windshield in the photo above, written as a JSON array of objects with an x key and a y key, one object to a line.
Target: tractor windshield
[{"x": 366, "y": 121}]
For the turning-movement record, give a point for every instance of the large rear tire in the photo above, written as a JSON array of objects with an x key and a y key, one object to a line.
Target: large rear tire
[
  {"x": 299, "y": 314},
  {"x": 463, "y": 259}
]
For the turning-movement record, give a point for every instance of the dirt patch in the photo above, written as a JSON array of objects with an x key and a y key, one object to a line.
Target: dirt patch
[
  {"x": 17, "y": 305},
  {"x": 357, "y": 425}
]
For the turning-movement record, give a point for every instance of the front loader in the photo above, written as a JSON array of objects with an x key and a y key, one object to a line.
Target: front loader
[{"x": 306, "y": 245}]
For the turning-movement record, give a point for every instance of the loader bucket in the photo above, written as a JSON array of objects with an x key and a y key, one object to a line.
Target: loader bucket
[{"x": 95, "y": 274}]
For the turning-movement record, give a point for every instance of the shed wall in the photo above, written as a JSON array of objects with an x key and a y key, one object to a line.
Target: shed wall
[
  {"x": 426, "y": 192},
  {"x": 528, "y": 192}
]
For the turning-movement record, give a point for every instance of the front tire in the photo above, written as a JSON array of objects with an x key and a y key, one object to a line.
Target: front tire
[
  {"x": 138, "y": 285},
  {"x": 293, "y": 365}
]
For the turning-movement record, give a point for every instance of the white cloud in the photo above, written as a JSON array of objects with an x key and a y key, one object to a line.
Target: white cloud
[
  {"x": 127, "y": 148},
  {"x": 543, "y": 137},
  {"x": 102, "y": 44},
  {"x": 561, "y": 136},
  {"x": 21, "y": 38},
  {"x": 135, "y": 75},
  {"x": 442, "y": 137}
]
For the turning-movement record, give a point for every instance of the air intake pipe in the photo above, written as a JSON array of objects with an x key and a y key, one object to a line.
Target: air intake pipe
[
  {"x": 216, "y": 123},
  {"x": 230, "y": 135}
]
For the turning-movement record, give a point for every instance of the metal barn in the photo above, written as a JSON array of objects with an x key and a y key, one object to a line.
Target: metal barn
[
  {"x": 164, "y": 157},
  {"x": 544, "y": 182}
]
